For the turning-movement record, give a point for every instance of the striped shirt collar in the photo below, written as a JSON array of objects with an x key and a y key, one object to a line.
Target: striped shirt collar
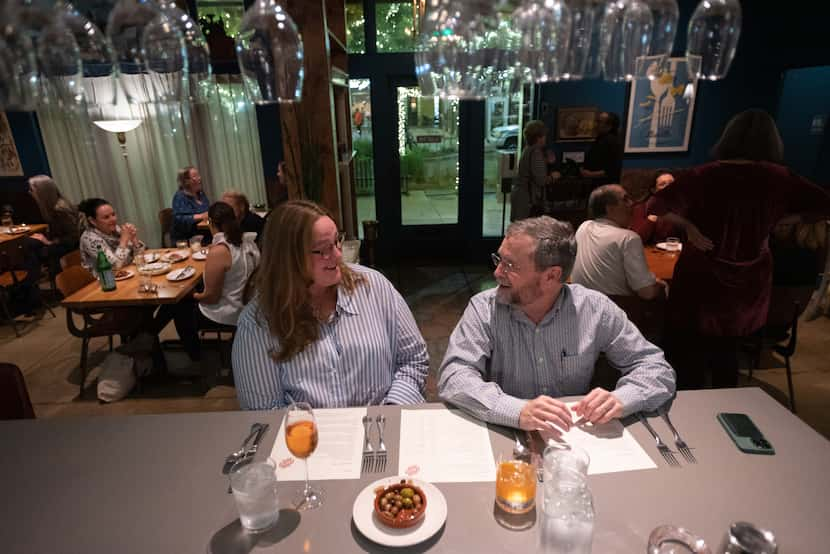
[
  {"x": 564, "y": 302},
  {"x": 345, "y": 301}
]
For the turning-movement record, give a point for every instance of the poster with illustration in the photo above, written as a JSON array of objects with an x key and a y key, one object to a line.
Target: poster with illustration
[
  {"x": 660, "y": 110},
  {"x": 9, "y": 160}
]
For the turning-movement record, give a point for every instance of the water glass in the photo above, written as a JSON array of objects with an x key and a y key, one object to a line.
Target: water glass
[
  {"x": 668, "y": 539},
  {"x": 181, "y": 245},
  {"x": 515, "y": 486},
  {"x": 196, "y": 243},
  {"x": 567, "y": 522},
  {"x": 745, "y": 538},
  {"x": 672, "y": 244},
  {"x": 255, "y": 491}
]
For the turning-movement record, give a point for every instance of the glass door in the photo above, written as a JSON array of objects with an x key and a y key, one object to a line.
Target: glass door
[{"x": 428, "y": 151}]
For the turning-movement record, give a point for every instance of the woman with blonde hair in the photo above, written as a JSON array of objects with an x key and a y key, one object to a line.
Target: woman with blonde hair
[
  {"x": 190, "y": 204},
  {"x": 319, "y": 330}
]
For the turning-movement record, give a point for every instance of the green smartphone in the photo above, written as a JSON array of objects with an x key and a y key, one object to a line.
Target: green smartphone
[{"x": 746, "y": 436}]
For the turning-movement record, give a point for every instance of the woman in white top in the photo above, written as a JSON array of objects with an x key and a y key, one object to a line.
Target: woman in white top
[{"x": 230, "y": 262}]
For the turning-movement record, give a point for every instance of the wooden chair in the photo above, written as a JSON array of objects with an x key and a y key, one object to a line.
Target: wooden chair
[
  {"x": 166, "y": 223},
  {"x": 96, "y": 323},
  {"x": 14, "y": 396},
  {"x": 73, "y": 258},
  {"x": 12, "y": 284}
]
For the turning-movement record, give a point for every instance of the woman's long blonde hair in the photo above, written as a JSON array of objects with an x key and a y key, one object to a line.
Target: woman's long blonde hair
[{"x": 283, "y": 278}]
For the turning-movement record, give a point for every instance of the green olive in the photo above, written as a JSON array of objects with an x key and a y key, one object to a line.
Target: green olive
[
  {"x": 407, "y": 492},
  {"x": 407, "y": 502}
]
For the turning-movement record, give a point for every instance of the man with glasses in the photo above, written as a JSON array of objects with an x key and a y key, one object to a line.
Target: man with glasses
[{"x": 534, "y": 338}]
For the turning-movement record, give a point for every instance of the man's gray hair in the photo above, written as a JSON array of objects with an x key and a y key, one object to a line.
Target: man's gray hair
[
  {"x": 601, "y": 198},
  {"x": 555, "y": 242}
]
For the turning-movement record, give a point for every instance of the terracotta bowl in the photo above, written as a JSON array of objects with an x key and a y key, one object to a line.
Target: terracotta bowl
[{"x": 405, "y": 517}]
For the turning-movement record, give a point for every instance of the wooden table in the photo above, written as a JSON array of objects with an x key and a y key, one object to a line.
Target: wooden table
[
  {"x": 661, "y": 262},
  {"x": 33, "y": 228},
  {"x": 127, "y": 294},
  {"x": 139, "y": 484}
]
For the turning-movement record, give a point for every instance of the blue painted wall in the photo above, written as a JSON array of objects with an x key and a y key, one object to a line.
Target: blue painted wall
[
  {"x": 805, "y": 94},
  {"x": 766, "y": 49}
]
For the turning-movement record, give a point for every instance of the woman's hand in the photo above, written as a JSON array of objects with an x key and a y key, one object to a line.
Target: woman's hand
[
  {"x": 42, "y": 238},
  {"x": 698, "y": 239}
]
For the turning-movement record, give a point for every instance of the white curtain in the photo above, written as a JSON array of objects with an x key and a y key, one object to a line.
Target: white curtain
[{"x": 219, "y": 137}]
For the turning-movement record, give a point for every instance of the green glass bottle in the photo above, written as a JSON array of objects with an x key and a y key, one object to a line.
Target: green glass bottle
[{"x": 104, "y": 268}]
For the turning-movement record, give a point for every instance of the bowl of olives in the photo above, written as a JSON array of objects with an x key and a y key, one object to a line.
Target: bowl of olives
[{"x": 400, "y": 505}]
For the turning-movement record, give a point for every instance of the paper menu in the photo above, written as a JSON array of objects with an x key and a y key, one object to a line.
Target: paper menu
[
  {"x": 339, "y": 448},
  {"x": 611, "y": 446},
  {"x": 442, "y": 446}
]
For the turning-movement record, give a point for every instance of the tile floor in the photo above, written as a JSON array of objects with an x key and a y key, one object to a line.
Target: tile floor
[{"x": 49, "y": 357}]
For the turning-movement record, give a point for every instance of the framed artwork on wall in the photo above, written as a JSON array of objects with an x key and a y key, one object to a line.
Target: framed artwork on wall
[
  {"x": 577, "y": 124},
  {"x": 9, "y": 160},
  {"x": 660, "y": 110}
]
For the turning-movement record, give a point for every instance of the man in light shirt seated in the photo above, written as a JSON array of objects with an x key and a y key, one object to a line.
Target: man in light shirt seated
[
  {"x": 534, "y": 338},
  {"x": 610, "y": 257}
]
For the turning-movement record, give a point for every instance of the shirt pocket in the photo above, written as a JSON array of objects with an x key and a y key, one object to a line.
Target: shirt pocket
[{"x": 576, "y": 371}]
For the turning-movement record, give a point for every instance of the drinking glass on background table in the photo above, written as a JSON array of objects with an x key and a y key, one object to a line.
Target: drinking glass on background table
[
  {"x": 181, "y": 245},
  {"x": 515, "y": 486},
  {"x": 668, "y": 539},
  {"x": 254, "y": 488},
  {"x": 301, "y": 440},
  {"x": 672, "y": 244},
  {"x": 196, "y": 243}
]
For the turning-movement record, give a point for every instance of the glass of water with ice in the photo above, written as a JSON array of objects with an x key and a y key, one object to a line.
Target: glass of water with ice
[{"x": 254, "y": 488}]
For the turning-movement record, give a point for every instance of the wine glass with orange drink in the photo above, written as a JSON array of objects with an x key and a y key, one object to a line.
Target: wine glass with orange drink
[{"x": 301, "y": 440}]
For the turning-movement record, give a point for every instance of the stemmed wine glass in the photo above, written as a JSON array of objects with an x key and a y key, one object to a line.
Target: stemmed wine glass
[{"x": 301, "y": 440}]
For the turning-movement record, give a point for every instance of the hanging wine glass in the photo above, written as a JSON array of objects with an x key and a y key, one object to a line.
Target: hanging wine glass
[
  {"x": 626, "y": 33},
  {"x": 270, "y": 53},
  {"x": 149, "y": 51},
  {"x": 545, "y": 26},
  {"x": 199, "y": 71},
  {"x": 712, "y": 37},
  {"x": 664, "y": 14},
  {"x": 584, "y": 46},
  {"x": 95, "y": 51},
  {"x": 59, "y": 59},
  {"x": 19, "y": 78}
]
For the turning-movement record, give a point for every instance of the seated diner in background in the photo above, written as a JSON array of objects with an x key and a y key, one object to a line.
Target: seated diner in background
[
  {"x": 190, "y": 205},
  {"x": 609, "y": 256},
  {"x": 319, "y": 330},
  {"x": 61, "y": 217},
  {"x": 118, "y": 242},
  {"x": 230, "y": 262},
  {"x": 249, "y": 222},
  {"x": 651, "y": 228},
  {"x": 534, "y": 338}
]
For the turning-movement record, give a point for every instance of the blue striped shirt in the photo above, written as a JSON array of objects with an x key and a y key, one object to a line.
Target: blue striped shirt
[
  {"x": 497, "y": 358},
  {"x": 370, "y": 352}
]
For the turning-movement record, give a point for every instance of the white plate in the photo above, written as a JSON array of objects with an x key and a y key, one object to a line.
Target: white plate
[
  {"x": 181, "y": 274},
  {"x": 151, "y": 257},
  {"x": 155, "y": 268},
  {"x": 127, "y": 274},
  {"x": 181, "y": 254},
  {"x": 363, "y": 514},
  {"x": 668, "y": 248},
  {"x": 200, "y": 255}
]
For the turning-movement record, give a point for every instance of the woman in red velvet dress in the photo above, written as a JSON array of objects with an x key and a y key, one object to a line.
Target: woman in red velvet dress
[
  {"x": 643, "y": 222},
  {"x": 723, "y": 279}
]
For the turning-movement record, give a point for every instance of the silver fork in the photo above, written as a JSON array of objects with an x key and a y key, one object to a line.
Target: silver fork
[
  {"x": 380, "y": 456},
  {"x": 661, "y": 446},
  {"x": 368, "y": 452},
  {"x": 680, "y": 443}
]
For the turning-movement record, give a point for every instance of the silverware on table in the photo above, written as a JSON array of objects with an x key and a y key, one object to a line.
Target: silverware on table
[
  {"x": 661, "y": 446},
  {"x": 251, "y": 451},
  {"x": 234, "y": 457},
  {"x": 381, "y": 454},
  {"x": 680, "y": 443},
  {"x": 368, "y": 452}
]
